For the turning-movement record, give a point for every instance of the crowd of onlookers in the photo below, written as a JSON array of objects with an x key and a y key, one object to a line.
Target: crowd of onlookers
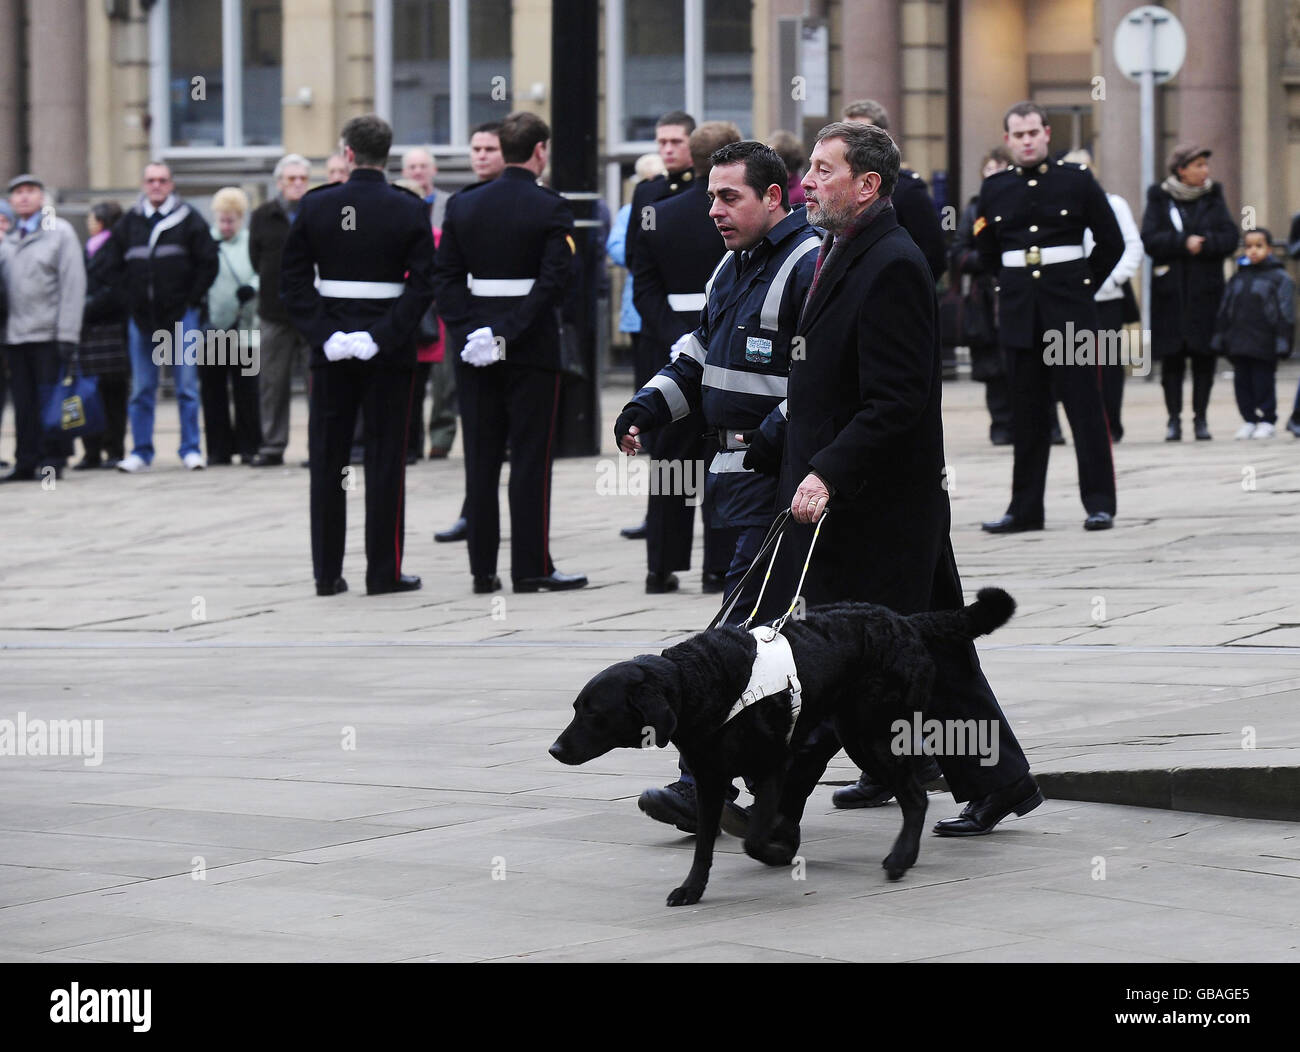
[
  {"x": 158, "y": 277},
  {"x": 160, "y": 285}
]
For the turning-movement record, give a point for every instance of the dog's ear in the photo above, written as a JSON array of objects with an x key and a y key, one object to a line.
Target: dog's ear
[{"x": 649, "y": 702}]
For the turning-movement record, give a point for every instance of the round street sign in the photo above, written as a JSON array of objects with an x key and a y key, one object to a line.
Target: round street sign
[{"x": 1131, "y": 43}]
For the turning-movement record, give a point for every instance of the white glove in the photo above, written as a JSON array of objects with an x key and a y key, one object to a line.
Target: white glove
[
  {"x": 481, "y": 348},
  {"x": 679, "y": 348},
  {"x": 350, "y": 345},
  {"x": 337, "y": 348}
]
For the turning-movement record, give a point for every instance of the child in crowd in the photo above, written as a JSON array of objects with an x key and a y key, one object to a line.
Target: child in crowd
[{"x": 1255, "y": 328}]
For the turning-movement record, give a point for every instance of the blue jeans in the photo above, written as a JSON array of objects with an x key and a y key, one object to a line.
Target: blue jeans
[{"x": 144, "y": 391}]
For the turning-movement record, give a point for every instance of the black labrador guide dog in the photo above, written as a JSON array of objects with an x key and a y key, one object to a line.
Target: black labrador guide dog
[{"x": 861, "y": 665}]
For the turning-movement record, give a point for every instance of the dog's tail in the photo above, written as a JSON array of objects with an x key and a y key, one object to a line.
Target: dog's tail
[{"x": 991, "y": 610}]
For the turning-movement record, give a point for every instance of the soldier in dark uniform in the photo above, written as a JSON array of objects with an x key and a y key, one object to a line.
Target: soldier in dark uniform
[
  {"x": 506, "y": 258},
  {"x": 731, "y": 370},
  {"x": 672, "y": 140},
  {"x": 912, "y": 201},
  {"x": 373, "y": 249},
  {"x": 1029, "y": 232},
  {"x": 674, "y": 259}
]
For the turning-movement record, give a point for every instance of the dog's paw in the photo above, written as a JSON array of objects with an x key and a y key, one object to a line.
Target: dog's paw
[
  {"x": 896, "y": 864},
  {"x": 769, "y": 852},
  {"x": 686, "y": 895}
]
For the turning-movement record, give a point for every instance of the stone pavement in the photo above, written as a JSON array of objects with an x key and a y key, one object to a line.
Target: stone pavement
[{"x": 291, "y": 778}]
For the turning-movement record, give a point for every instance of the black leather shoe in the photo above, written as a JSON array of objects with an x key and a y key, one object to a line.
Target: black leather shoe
[
  {"x": 484, "y": 583},
  {"x": 1202, "y": 429},
  {"x": 86, "y": 463},
  {"x": 866, "y": 793},
  {"x": 1174, "y": 430},
  {"x": 982, "y": 816},
  {"x": 633, "y": 533},
  {"x": 407, "y": 582},
  {"x": 1099, "y": 520},
  {"x": 553, "y": 582},
  {"x": 659, "y": 583},
  {"x": 458, "y": 532},
  {"x": 267, "y": 460},
  {"x": 735, "y": 819},
  {"x": 1000, "y": 438},
  {"x": 18, "y": 475},
  {"x": 863, "y": 793},
  {"x": 713, "y": 583},
  {"x": 1010, "y": 524},
  {"x": 336, "y": 587},
  {"x": 673, "y": 805},
  {"x": 1293, "y": 426}
]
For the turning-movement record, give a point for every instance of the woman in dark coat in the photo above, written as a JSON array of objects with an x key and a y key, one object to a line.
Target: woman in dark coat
[
  {"x": 103, "y": 341},
  {"x": 1188, "y": 232}
]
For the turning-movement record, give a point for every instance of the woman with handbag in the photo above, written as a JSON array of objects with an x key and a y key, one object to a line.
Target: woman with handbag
[
  {"x": 231, "y": 325},
  {"x": 103, "y": 342},
  {"x": 1188, "y": 232}
]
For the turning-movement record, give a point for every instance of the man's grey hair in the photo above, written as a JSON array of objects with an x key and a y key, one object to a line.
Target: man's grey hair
[
  {"x": 290, "y": 160},
  {"x": 867, "y": 148},
  {"x": 868, "y": 110}
]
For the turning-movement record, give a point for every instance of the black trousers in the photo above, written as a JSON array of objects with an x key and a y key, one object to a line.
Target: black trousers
[
  {"x": 1110, "y": 317},
  {"x": 515, "y": 404},
  {"x": 114, "y": 389},
  {"x": 1172, "y": 370},
  {"x": 960, "y": 693},
  {"x": 415, "y": 431},
  {"x": 670, "y": 520},
  {"x": 383, "y": 396},
  {"x": 218, "y": 384},
  {"x": 1255, "y": 385},
  {"x": 1034, "y": 385},
  {"x": 30, "y": 366}
]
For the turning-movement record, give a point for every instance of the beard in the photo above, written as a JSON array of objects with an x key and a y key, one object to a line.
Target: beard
[{"x": 831, "y": 218}]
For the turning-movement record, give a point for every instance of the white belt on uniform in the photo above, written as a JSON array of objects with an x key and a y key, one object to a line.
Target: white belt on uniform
[
  {"x": 681, "y": 302},
  {"x": 499, "y": 287},
  {"x": 361, "y": 290},
  {"x": 1047, "y": 256}
]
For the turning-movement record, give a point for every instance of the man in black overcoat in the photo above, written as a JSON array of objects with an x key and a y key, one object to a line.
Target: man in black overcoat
[{"x": 866, "y": 436}]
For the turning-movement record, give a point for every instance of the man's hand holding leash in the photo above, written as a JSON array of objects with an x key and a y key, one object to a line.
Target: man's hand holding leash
[{"x": 810, "y": 499}]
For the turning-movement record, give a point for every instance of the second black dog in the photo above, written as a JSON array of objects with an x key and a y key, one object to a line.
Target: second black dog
[{"x": 861, "y": 665}]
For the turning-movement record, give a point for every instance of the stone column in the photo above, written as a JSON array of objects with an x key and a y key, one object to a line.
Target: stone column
[
  {"x": 871, "y": 62},
  {"x": 1209, "y": 89},
  {"x": 11, "y": 130},
  {"x": 56, "y": 84},
  {"x": 1263, "y": 113},
  {"x": 994, "y": 76},
  {"x": 1118, "y": 117}
]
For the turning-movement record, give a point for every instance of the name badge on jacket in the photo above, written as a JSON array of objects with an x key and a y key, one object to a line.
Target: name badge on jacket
[{"x": 758, "y": 350}]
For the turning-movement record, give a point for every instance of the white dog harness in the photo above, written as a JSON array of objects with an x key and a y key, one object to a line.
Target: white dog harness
[{"x": 773, "y": 673}]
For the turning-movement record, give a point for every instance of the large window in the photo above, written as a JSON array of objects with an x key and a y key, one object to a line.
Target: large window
[
  {"x": 441, "y": 67},
  {"x": 217, "y": 73},
  {"x": 695, "y": 55}
]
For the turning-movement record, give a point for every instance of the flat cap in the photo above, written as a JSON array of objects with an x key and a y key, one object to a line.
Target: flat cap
[
  {"x": 1184, "y": 154},
  {"x": 23, "y": 180}
]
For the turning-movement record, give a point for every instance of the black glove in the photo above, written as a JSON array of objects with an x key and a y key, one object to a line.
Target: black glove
[
  {"x": 245, "y": 293},
  {"x": 632, "y": 416},
  {"x": 67, "y": 352},
  {"x": 761, "y": 455}
]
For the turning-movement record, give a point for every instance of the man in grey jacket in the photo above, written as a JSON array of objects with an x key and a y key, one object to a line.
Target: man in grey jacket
[{"x": 44, "y": 275}]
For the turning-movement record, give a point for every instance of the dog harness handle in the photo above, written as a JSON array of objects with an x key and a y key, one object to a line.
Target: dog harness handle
[
  {"x": 773, "y": 535},
  {"x": 804, "y": 573}
]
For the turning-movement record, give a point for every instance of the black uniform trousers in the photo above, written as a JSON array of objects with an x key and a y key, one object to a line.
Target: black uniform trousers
[
  {"x": 1110, "y": 318},
  {"x": 960, "y": 693},
  {"x": 383, "y": 395},
  {"x": 33, "y": 369},
  {"x": 515, "y": 404},
  {"x": 1034, "y": 385},
  {"x": 217, "y": 385}
]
